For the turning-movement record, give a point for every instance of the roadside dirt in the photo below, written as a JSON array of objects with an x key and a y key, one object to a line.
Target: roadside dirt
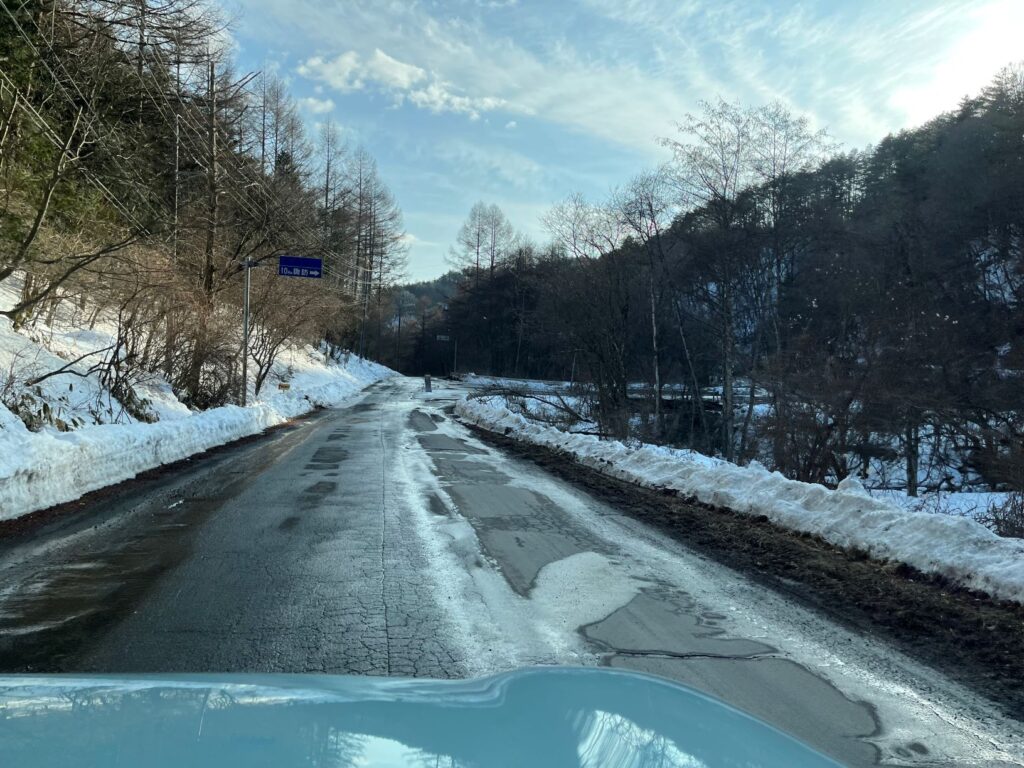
[{"x": 970, "y": 637}]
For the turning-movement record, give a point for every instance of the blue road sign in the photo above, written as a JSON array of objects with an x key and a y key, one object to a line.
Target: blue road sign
[{"x": 297, "y": 266}]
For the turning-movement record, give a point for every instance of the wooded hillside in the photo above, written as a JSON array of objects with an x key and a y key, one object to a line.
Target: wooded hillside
[
  {"x": 141, "y": 172},
  {"x": 821, "y": 311}
]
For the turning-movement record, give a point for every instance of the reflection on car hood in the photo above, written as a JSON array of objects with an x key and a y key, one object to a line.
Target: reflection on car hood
[{"x": 532, "y": 717}]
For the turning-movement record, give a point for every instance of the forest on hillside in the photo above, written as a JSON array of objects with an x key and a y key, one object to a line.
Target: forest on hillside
[
  {"x": 766, "y": 296},
  {"x": 142, "y": 174}
]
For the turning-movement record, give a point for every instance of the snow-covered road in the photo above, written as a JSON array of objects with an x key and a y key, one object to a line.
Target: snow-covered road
[{"x": 384, "y": 538}]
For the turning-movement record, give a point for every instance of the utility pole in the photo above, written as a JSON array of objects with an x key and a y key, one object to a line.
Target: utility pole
[
  {"x": 177, "y": 141},
  {"x": 211, "y": 175},
  {"x": 245, "y": 334},
  {"x": 177, "y": 178},
  {"x": 263, "y": 125}
]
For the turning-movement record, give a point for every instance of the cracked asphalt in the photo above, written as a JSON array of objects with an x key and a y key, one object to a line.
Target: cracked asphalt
[{"x": 384, "y": 539}]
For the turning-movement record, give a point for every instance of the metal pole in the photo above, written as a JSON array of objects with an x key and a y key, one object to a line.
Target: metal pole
[
  {"x": 455, "y": 360},
  {"x": 245, "y": 335}
]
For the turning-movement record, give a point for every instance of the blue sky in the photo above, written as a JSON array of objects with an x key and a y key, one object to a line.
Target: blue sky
[{"x": 521, "y": 102}]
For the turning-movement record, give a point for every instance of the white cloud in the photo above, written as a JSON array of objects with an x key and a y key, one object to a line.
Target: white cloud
[
  {"x": 317, "y": 106},
  {"x": 511, "y": 125},
  {"x": 393, "y": 73},
  {"x": 409, "y": 239},
  {"x": 466, "y": 69},
  {"x": 437, "y": 97},
  {"x": 348, "y": 72},
  {"x": 342, "y": 72}
]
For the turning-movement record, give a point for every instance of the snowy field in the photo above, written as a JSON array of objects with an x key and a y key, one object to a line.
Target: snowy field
[
  {"x": 88, "y": 440},
  {"x": 956, "y": 547}
]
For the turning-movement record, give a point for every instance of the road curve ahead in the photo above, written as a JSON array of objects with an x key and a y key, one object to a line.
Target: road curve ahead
[{"x": 384, "y": 539}]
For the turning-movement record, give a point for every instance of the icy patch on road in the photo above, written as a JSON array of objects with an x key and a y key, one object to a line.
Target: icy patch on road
[
  {"x": 582, "y": 589},
  {"x": 956, "y": 548},
  {"x": 913, "y": 702},
  {"x": 496, "y": 628}
]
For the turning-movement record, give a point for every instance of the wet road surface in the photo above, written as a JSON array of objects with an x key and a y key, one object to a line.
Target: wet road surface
[{"x": 384, "y": 539}]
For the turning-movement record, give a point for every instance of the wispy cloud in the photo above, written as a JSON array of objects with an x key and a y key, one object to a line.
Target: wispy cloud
[
  {"x": 491, "y": 168},
  {"x": 558, "y": 96}
]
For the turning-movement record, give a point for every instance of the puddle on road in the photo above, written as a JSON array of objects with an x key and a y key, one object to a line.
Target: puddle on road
[{"x": 62, "y": 604}]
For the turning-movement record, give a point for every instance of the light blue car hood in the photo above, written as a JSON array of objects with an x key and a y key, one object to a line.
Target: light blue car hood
[{"x": 534, "y": 717}]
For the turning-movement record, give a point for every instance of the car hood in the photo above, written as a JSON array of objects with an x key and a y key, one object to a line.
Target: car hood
[{"x": 533, "y": 717}]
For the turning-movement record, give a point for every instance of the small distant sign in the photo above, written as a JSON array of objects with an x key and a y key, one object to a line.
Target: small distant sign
[
  {"x": 297, "y": 266},
  {"x": 442, "y": 337}
]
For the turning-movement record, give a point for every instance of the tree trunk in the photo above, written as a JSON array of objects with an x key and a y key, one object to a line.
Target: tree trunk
[
  {"x": 913, "y": 446},
  {"x": 658, "y": 418},
  {"x": 727, "y": 375},
  {"x": 21, "y": 255}
]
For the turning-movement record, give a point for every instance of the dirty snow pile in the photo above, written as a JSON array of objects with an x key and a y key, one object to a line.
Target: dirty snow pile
[
  {"x": 957, "y": 548},
  {"x": 90, "y": 441}
]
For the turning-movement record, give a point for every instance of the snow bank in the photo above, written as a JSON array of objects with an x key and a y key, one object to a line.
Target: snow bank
[
  {"x": 40, "y": 469},
  {"x": 105, "y": 443},
  {"x": 526, "y": 385},
  {"x": 957, "y": 548}
]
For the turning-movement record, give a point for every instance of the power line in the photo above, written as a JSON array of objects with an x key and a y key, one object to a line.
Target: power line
[
  {"x": 57, "y": 81},
  {"x": 361, "y": 276},
  {"x": 257, "y": 215},
  {"x": 54, "y": 138}
]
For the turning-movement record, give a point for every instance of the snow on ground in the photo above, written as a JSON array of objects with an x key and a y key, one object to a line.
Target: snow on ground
[
  {"x": 527, "y": 385},
  {"x": 53, "y": 341},
  {"x": 96, "y": 443},
  {"x": 957, "y": 548},
  {"x": 973, "y": 504}
]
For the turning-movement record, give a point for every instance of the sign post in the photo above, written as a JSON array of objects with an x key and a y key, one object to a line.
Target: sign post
[{"x": 287, "y": 266}]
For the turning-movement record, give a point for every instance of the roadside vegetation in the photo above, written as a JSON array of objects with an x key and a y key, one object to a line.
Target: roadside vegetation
[
  {"x": 140, "y": 172},
  {"x": 768, "y": 296}
]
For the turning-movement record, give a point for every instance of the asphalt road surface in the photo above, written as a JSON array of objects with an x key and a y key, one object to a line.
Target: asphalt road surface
[{"x": 384, "y": 539}]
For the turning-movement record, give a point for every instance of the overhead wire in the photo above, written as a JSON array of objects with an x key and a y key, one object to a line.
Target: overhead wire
[
  {"x": 86, "y": 105},
  {"x": 197, "y": 152}
]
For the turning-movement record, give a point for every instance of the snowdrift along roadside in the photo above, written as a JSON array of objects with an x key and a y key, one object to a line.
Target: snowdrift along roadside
[
  {"x": 41, "y": 469},
  {"x": 957, "y": 548}
]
